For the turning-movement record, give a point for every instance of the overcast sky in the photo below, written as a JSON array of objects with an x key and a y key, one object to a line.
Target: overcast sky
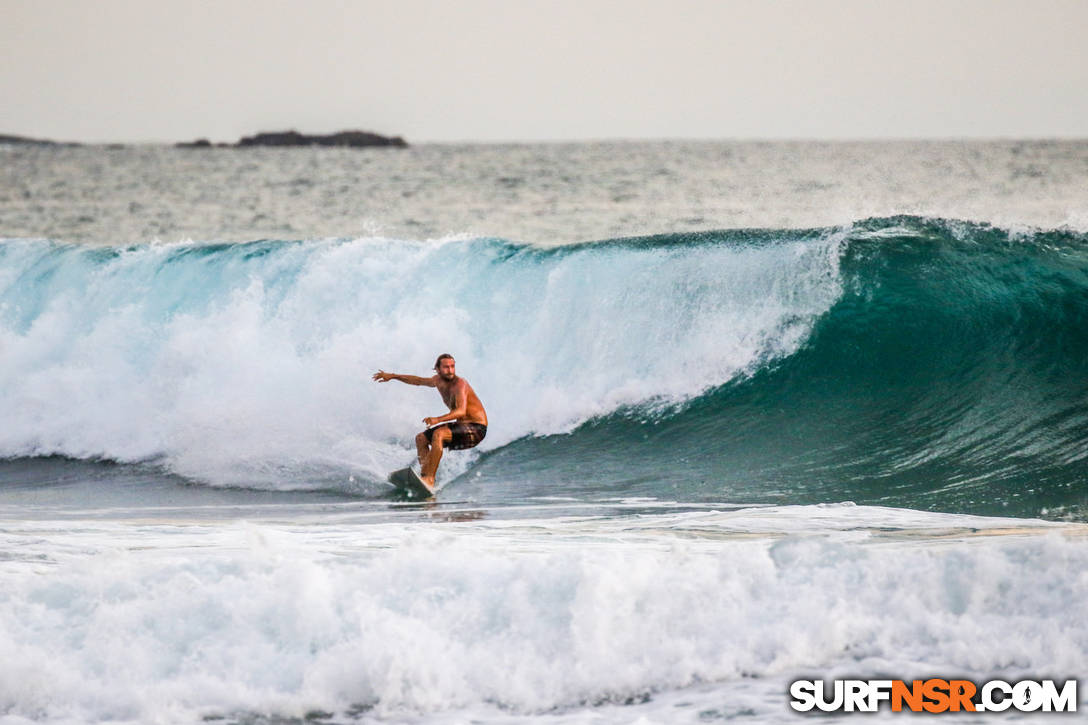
[{"x": 165, "y": 70}]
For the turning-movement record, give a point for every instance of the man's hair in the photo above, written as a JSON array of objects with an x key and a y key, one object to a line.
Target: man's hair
[{"x": 442, "y": 357}]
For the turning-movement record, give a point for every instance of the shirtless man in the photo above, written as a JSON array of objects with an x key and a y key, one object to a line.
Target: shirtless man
[{"x": 465, "y": 424}]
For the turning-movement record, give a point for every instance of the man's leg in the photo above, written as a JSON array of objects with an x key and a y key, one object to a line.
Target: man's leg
[
  {"x": 423, "y": 447},
  {"x": 439, "y": 439}
]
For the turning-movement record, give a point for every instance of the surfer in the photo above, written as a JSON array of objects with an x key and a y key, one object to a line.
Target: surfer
[{"x": 463, "y": 427}]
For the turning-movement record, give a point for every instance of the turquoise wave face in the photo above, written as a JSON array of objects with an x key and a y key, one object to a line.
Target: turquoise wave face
[
  {"x": 951, "y": 374},
  {"x": 921, "y": 363}
]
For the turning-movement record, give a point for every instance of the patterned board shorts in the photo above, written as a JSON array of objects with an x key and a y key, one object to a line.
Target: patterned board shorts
[{"x": 465, "y": 435}]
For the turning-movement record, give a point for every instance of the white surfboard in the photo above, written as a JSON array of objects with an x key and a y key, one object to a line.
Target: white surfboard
[{"x": 408, "y": 481}]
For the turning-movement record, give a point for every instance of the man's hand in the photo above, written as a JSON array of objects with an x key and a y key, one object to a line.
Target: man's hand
[
  {"x": 383, "y": 377},
  {"x": 430, "y": 421}
]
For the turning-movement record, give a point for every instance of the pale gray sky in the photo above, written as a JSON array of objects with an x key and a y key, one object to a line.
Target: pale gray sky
[{"x": 166, "y": 70}]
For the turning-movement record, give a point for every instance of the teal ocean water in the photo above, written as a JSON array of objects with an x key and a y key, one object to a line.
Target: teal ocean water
[{"x": 736, "y": 391}]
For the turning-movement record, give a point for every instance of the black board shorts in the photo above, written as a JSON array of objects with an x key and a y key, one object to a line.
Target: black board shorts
[{"x": 465, "y": 435}]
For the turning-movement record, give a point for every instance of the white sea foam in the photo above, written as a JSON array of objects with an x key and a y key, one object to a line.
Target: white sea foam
[
  {"x": 132, "y": 621},
  {"x": 251, "y": 365}
]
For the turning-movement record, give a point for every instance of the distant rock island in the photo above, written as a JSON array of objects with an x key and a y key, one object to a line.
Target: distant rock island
[
  {"x": 31, "y": 141},
  {"x": 265, "y": 138},
  {"x": 294, "y": 138}
]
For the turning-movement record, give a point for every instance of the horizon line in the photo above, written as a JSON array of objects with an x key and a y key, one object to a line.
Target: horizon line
[{"x": 32, "y": 139}]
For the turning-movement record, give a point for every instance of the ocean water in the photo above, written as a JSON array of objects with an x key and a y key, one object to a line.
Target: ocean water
[{"x": 759, "y": 412}]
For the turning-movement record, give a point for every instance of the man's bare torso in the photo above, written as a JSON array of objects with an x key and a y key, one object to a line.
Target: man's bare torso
[{"x": 449, "y": 389}]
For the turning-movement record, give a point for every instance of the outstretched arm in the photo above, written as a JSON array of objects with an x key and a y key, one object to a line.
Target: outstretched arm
[{"x": 383, "y": 377}]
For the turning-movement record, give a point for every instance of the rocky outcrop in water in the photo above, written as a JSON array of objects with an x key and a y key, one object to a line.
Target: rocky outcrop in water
[
  {"x": 342, "y": 138},
  {"x": 23, "y": 140},
  {"x": 200, "y": 143},
  {"x": 266, "y": 138}
]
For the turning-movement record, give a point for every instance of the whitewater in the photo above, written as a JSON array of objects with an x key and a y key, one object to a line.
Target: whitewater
[{"x": 759, "y": 412}]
